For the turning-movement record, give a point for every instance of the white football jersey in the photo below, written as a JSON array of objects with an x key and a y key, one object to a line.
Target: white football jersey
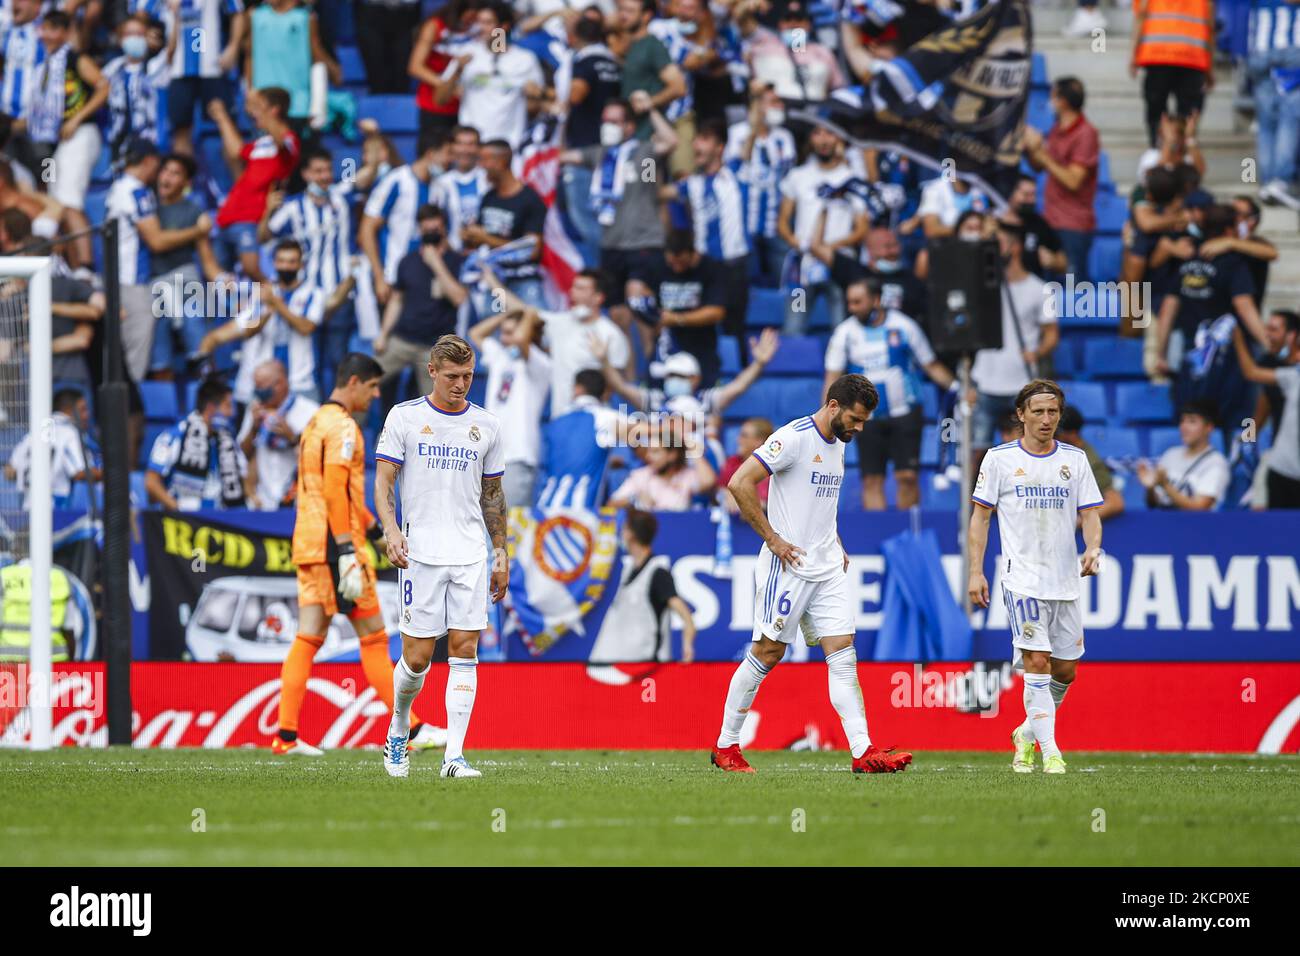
[
  {"x": 1038, "y": 498},
  {"x": 444, "y": 457},
  {"x": 803, "y": 499}
]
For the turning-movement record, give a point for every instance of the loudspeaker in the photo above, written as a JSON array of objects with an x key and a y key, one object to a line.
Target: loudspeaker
[{"x": 965, "y": 287}]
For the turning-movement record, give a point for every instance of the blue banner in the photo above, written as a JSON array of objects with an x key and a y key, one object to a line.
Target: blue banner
[{"x": 1197, "y": 587}]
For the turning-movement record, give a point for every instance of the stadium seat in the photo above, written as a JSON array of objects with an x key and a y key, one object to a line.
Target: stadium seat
[
  {"x": 799, "y": 355},
  {"x": 1038, "y": 73},
  {"x": 1104, "y": 258},
  {"x": 354, "y": 71},
  {"x": 1112, "y": 213},
  {"x": 159, "y": 399},
  {"x": 851, "y": 455},
  {"x": 1143, "y": 402},
  {"x": 730, "y": 436},
  {"x": 1104, "y": 180},
  {"x": 1065, "y": 362},
  {"x": 394, "y": 114},
  {"x": 801, "y": 397},
  {"x": 1088, "y": 397},
  {"x": 929, "y": 445},
  {"x": 729, "y": 353},
  {"x": 1135, "y": 496},
  {"x": 1107, "y": 357},
  {"x": 766, "y": 308},
  {"x": 102, "y": 174},
  {"x": 1114, "y": 441},
  {"x": 191, "y": 393},
  {"x": 764, "y": 399},
  {"x": 949, "y": 499},
  {"x": 1038, "y": 114}
]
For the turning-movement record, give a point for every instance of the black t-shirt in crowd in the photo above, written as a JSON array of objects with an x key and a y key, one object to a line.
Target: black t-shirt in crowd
[
  {"x": 513, "y": 217},
  {"x": 1038, "y": 235},
  {"x": 604, "y": 78},
  {"x": 69, "y": 366},
  {"x": 705, "y": 285},
  {"x": 426, "y": 312},
  {"x": 1206, "y": 288},
  {"x": 900, "y": 289}
]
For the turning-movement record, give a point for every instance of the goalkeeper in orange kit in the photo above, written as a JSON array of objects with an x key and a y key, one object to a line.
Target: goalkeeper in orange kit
[{"x": 329, "y": 549}]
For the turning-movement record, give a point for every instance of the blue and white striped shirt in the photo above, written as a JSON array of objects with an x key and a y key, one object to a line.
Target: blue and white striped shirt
[
  {"x": 323, "y": 229},
  {"x": 133, "y": 108},
  {"x": 679, "y": 48},
  {"x": 1274, "y": 27},
  {"x": 199, "y": 45},
  {"x": 717, "y": 210},
  {"x": 459, "y": 194},
  {"x": 395, "y": 200},
  {"x": 129, "y": 201},
  {"x": 23, "y": 52},
  {"x": 773, "y": 156}
]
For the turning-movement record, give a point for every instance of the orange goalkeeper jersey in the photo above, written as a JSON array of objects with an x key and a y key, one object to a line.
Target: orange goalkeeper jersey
[{"x": 331, "y": 439}]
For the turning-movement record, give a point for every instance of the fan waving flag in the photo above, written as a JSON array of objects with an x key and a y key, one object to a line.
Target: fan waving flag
[
  {"x": 954, "y": 99},
  {"x": 561, "y": 261}
]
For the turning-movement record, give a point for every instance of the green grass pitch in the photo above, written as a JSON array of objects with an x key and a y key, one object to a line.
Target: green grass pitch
[{"x": 145, "y": 807}]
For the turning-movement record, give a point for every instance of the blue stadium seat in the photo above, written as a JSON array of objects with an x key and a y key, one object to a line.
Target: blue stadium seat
[
  {"x": 159, "y": 400},
  {"x": 191, "y": 393},
  {"x": 1104, "y": 258},
  {"x": 1038, "y": 114},
  {"x": 1038, "y": 73},
  {"x": 1104, "y": 180},
  {"x": 1143, "y": 402},
  {"x": 102, "y": 174},
  {"x": 1107, "y": 357},
  {"x": 354, "y": 71},
  {"x": 730, "y": 436},
  {"x": 393, "y": 113},
  {"x": 766, "y": 308},
  {"x": 1088, "y": 397},
  {"x": 801, "y": 397},
  {"x": 1065, "y": 359},
  {"x": 1112, "y": 213},
  {"x": 96, "y": 202},
  {"x": 929, "y": 446},
  {"x": 1114, "y": 441},
  {"x": 729, "y": 353},
  {"x": 1135, "y": 496},
  {"x": 851, "y": 455},
  {"x": 947, "y": 500},
  {"x": 763, "y": 399},
  {"x": 799, "y": 355},
  {"x": 478, "y": 391}
]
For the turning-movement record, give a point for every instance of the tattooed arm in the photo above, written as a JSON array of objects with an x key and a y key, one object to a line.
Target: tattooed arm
[
  {"x": 493, "y": 501},
  {"x": 386, "y": 505}
]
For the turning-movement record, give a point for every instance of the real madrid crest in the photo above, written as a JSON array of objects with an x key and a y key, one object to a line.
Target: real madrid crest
[
  {"x": 1065, "y": 472},
  {"x": 474, "y": 433},
  {"x": 778, "y": 624}
]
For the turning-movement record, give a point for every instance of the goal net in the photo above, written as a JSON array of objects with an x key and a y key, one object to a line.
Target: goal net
[{"x": 26, "y": 498}]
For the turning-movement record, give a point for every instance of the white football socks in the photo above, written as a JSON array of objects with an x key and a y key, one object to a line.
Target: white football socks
[
  {"x": 462, "y": 685},
  {"x": 740, "y": 695},
  {"x": 1058, "y": 690},
  {"x": 846, "y": 697},
  {"x": 406, "y": 687},
  {"x": 1040, "y": 710}
]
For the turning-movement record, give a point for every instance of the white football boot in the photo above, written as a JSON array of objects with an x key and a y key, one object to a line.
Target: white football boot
[
  {"x": 396, "y": 760},
  {"x": 1023, "y": 743},
  {"x": 458, "y": 768}
]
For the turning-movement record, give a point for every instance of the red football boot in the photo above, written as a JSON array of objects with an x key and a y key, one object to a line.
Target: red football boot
[
  {"x": 876, "y": 760},
  {"x": 730, "y": 758}
]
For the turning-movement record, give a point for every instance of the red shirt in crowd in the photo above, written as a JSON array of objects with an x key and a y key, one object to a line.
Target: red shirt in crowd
[
  {"x": 266, "y": 162},
  {"x": 1077, "y": 143},
  {"x": 729, "y": 468},
  {"x": 437, "y": 62}
]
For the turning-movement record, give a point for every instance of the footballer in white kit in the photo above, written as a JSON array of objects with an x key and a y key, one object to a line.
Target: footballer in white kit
[
  {"x": 1041, "y": 489},
  {"x": 801, "y": 585},
  {"x": 445, "y": 456}
]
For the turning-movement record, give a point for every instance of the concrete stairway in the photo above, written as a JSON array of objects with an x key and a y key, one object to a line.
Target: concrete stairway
[{"x": 1116, "y": 107}]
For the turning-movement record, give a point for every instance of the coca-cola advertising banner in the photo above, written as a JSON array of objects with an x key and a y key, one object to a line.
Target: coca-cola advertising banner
[{"x": 1200, "y": 707}]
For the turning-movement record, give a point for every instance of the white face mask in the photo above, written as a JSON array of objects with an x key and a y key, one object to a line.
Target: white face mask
[
  {"x": 611, "y": 134},
  {"x": 1243, "y": 230},
  {"x": 676, "y": 386},
  {"x": 774, "y": 117},
  {"x": 687, "y": 27}
]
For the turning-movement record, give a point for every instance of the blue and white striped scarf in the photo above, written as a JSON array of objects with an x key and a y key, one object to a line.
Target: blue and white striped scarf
[{"x": 45, "y": 118}]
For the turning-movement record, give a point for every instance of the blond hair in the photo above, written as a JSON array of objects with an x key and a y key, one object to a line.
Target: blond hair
[{"x": 451, "y": 350}]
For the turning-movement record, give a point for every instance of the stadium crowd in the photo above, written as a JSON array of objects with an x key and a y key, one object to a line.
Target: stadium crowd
[{"x": 611, "y": 200}]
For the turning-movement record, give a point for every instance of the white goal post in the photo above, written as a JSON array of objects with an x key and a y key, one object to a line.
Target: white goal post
[{"x": 35, "y": 270}]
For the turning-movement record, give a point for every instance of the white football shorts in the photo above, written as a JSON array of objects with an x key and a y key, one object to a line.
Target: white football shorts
[
  {"x": 785, "y": 603},
  {"x": 1043, "y": 625},
  {"x": 439, "y": 597}
]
